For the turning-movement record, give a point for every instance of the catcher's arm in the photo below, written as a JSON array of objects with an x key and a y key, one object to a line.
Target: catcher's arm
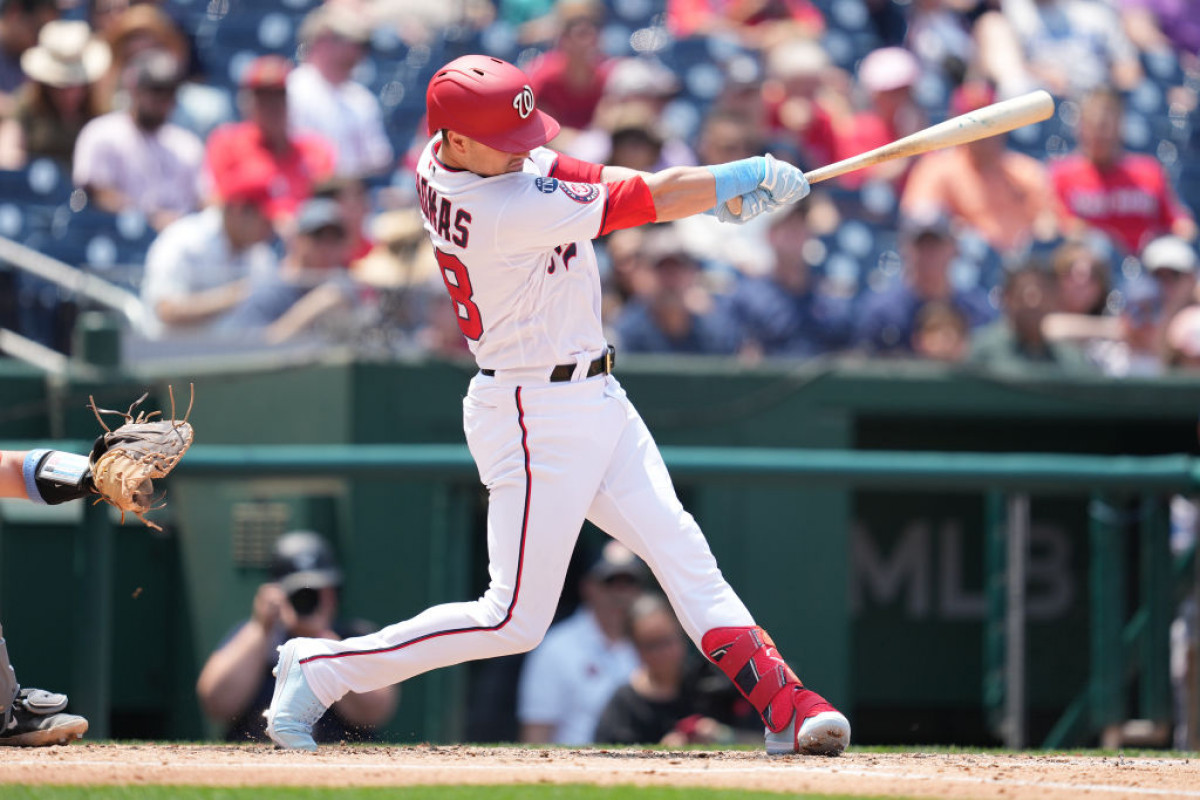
[{"x": 48, "y": 477}]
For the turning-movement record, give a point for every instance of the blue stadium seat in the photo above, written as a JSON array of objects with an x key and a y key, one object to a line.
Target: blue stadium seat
[
  {"x": 42, "y": 182},
  {"x": 113, "y": 245}
]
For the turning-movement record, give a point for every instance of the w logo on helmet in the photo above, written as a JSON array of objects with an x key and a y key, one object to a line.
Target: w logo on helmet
[{"x": 523, "y": 102}]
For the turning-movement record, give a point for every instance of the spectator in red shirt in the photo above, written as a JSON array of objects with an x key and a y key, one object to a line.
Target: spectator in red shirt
[
  {"x": 887, "y": 75},
  {"x": 1126, "y": 196},
  {"x": 758, "y": 24},
  {"x": 263, "y": 142},
  {"x": 569, "y": 80},
  {"x": 792, "y": 95}
]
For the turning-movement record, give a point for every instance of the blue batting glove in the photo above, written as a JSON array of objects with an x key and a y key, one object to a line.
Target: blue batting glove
[
  {"x": 753, "y": 204},
  {"x": 784, "y": 182}
]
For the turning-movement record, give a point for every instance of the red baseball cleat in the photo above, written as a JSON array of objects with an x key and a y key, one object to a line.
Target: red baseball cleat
[{"x": 817, "y": 729}]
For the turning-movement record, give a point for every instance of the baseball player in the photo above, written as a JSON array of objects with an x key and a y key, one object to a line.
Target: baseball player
[
  {"x": 554, "y": 437},
  {"x": 35, "y": 717}
]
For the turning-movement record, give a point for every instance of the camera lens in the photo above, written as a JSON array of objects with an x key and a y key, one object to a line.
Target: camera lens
[{"x": 304, "y": 601}]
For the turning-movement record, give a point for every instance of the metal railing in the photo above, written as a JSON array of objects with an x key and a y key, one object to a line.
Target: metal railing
[{"x": 80, "y": 282}]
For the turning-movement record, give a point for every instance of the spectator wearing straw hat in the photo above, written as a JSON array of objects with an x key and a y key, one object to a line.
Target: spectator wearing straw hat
[
  {"x": 20, "y": 23},
  {"x": 59, "y": 98}
]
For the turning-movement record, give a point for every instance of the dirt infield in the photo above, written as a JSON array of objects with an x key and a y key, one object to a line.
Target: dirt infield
[{"x": 940, "y": 775}]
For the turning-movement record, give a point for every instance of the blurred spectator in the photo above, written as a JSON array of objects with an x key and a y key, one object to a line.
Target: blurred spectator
[
  {"x": 725, "y": 136},
  {"x": 1064, "y": 46},
  {"x": 134, "y": 158},
  {"x": 984, "y": 185},
  {"x": 1083, "y": 276},
  {"x": 568, "y": 679},
  {"x": 756, "y": 24},
  {"x": 263, "y": 142},
  {"x": 350, "y": 194},
  {"x": 629, "y": 274},
  {"x": 886, "y": 76},
  {"x": 423, "y": 23},
  {"x": 940, "y": 333},
  {"x": 1126, "y": 196},
  {"x": 1083, "y": 283},
  {"x": 939, "y": 35},
  {"x": 144, "y": 26},
  {"x": 311, "y": 286},
  {"x": 403, "y": 273},
  {"x": 1172, "y": 263},
  {"x": 323, "y": 99},
  {"x": 636, "y": 88},
  {"x": 678, "y": 314},
  {"x": 784, "y": 313},
  {"x": 1183, "y": 340},
  {"x": 20, "y": 23},
  {"x": 203, "y": 265},
  {"x": 103, "y": 15},
  {"x": 886, "y": 319},
  {"x": 1017, "y": 339},
  {"x": 569, "y": 79},
  {"x": 791, "y": 94},
  {"x": 667, "y": 700},
  {"x": 1159, "y": 26},
  {"x": 636, "y": 140},
  {"x": 301, "y": 599},
  {"x": 1137, "y": 350},
  {"x": 59, "y": 98}
]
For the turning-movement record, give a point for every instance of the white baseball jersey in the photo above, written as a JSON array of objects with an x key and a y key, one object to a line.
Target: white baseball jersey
[{"x": 516, "y": 254}]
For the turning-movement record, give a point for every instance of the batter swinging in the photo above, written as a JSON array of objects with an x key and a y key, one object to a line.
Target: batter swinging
[{"x": 551, "y": 430}]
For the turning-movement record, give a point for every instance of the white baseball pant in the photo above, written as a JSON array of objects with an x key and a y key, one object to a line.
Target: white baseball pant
[{"x": 551, "y": 455}]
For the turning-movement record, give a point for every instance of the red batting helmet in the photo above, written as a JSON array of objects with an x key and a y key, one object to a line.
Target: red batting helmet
[{"x": 490, "y": 101}]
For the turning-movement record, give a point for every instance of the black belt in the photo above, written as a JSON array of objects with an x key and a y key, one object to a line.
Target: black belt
[{"x": 563, "y": 372}]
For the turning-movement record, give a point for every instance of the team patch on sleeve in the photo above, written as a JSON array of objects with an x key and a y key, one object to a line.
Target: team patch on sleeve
[
  {"x": 546, "y": 185},
  {"x": 580, "y": 192}
]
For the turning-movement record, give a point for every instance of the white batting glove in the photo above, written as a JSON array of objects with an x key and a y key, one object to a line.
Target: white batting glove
[
  {"x": 784, "y": 182},
  {"x": 753, "y": 204}
]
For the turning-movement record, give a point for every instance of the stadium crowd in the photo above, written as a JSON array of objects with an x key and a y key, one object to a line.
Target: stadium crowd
[{"x": 246, "y": 169}]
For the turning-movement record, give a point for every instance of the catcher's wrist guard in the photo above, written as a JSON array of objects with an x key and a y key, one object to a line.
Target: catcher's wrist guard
[{"x": 54, "y": 476}]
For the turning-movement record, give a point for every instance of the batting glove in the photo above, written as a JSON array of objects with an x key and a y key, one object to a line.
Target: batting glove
[
  {"x": 784, "y": 182},
  {"x": 753, "y": 204}
]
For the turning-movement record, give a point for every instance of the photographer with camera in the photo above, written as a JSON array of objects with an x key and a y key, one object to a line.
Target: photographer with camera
[{"x": 301, "y": 600}]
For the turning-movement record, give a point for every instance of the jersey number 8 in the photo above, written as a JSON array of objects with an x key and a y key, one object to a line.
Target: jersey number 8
[{"x": 458, "y": 284}]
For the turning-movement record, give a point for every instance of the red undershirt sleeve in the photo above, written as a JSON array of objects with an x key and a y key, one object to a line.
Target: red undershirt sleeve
[
  {"x": 629, "y": 204},
  {"x": 573, "y": 170}
]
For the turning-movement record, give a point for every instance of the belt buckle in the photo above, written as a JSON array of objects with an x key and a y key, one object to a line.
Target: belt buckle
[{"x": 608, "y": 360}]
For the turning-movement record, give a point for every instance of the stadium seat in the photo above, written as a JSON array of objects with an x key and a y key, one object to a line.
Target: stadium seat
[{"x": 41, "y": 182}]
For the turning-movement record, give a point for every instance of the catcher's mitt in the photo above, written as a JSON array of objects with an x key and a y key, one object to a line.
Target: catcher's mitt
[{"x": 125, "y": 462}]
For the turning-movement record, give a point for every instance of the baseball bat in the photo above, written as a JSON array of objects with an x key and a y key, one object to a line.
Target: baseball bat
[{"x": 988, "y": 121}]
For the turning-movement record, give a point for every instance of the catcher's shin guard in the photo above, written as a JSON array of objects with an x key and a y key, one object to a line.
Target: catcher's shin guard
[
  {"x": 798, "y": 720},
  {"x": 8, "y": 684}
]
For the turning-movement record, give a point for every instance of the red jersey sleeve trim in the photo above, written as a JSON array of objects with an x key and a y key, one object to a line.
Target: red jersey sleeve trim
[
  {"x": 629, "y": 204},
  {"x": 573, "y": 170}
]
